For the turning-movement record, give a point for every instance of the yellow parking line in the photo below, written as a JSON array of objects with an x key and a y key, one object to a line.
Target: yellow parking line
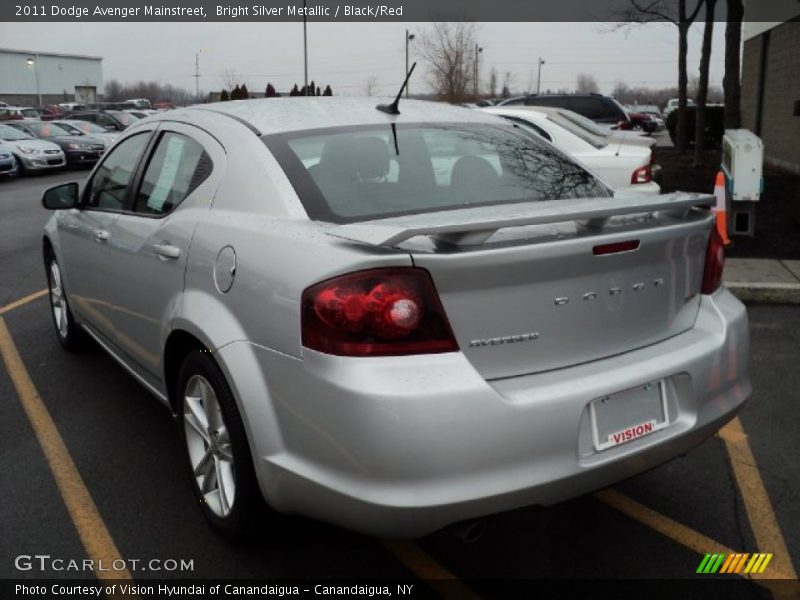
[
  {"x": 90, "y": 526},
  {"x": 17, "y": 303},
  {"x": 662, "y": 524},
  {"x": 686, "y": 536},
  {"x": 756, "y": 502},
  {"x": 424, "y": 566}
]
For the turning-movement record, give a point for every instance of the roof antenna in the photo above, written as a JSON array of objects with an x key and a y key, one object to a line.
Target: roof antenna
[{"x": 391, "y": 109}]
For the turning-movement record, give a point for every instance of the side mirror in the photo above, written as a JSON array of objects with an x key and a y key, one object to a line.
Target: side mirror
[
  {"x": 61, "y": 197},
  {"x": 110, "y": 127}
]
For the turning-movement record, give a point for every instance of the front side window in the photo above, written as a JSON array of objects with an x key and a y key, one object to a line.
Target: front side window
[
  {"x": 178, "y": 165},
  {"x": 108, "y": 188},
  {"x": 345, "y": 175}
]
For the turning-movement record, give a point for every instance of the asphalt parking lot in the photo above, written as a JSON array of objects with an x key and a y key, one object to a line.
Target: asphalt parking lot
[{"x": 739, "y": 492}]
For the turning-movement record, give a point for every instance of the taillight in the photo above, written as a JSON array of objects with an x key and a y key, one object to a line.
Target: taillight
[
  {"x": 642, "y": 175},
  {"x": 715, "y": 263},
  {"x": 378, "y": 312}
]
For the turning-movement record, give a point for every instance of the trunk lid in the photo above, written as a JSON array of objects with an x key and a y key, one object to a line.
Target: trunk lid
[{"x": 540, "y": 297}]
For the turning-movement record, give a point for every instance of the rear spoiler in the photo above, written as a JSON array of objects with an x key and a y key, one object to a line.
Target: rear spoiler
[{"x": 472, "y": 226}]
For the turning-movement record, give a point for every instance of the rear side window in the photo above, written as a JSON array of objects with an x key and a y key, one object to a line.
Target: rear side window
[
  {"x": 546, "y": 101},
  {"x": 109, "y": 186},
  {"x": 530, "y": 125},
  {"x": 596, "y": 109},
  {"x": 178, "y": 165},
  {"x": 345, "y": 175}
]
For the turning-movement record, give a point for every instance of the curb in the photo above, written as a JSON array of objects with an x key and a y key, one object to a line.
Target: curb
[{"x": 767, "y": 293}]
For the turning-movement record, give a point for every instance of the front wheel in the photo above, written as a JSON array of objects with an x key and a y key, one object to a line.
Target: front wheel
[
  {"x": 68, "y": 331},
  {"x": 219, "y": 460}
]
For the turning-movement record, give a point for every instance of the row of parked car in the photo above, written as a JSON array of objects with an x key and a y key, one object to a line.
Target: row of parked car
[
  {"x": 603, "y": 110},
  {"x": 31, "y": 143}
]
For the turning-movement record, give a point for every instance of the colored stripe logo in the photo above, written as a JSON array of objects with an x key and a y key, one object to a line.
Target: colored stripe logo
[{"x": 738, "y": 563}]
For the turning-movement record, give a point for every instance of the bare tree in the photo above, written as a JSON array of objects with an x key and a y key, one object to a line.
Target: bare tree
[
  {"x": 702, "y": 88},
  {"x": 677, "y": 13},
  {"x": 371, "y": 85},
  {"x": 113, "y": 90},
  {"x": 731, "y": 82},
  {"x": 493, "y": 82},
  {"x": 449, "y": 49},
  {"x": 230, "y": 78},
  {"x": 508, "y": 84},
  {"x": 586, "y": 84}
]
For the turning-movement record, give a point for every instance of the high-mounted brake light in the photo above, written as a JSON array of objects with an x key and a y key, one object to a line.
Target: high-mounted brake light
[
  {"x": 642, "y": 175},
  {"x": 715, "y": 263},
  {"x": 378, "y": 312}
]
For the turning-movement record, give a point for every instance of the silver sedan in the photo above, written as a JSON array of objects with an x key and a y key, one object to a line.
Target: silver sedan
[{"x": 393, "y": 322}]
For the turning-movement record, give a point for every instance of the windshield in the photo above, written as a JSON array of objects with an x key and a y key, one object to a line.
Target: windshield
[
  {"x": 47, "y": 130},
  {"x": 578, "y": 128},
  {"x": 352, "y": 174},
  {"x": 123, "y": 117},
  {"x": 83, "y": 127},
  {"x": 9, "y": 134}
]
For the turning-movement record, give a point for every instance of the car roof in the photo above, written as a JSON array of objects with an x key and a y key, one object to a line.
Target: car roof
[{"x": 281, "y": 115}]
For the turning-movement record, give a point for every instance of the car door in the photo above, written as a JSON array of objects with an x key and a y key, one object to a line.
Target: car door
[
  {"x": 175, "y": 185},
  {"x": 85, "y": 235}
]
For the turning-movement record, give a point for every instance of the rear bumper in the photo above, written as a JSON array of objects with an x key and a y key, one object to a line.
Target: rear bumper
[{"x": 404, "y": 446}]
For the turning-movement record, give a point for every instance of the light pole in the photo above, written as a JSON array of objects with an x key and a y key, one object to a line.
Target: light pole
[
  {"x": 33, "y": 62},
  {"x": 305, "y": 50},
  {"x": 409, "y": 37},
  {"x": 478, "y": 50},
  {"x": 539, "y": 77},
  {"x": 197, "y": 73}
]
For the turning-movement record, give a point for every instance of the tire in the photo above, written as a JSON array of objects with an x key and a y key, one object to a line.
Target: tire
[
  {"x": 215, "y": 443},
  {"x": 68, "y": 332}
]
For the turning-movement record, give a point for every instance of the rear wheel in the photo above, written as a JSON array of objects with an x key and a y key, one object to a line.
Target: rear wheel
[
  {"x": 68, "y": 331},
  {"x": 219, "y": 461}
]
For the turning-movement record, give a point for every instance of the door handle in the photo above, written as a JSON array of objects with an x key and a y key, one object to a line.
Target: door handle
[
  {"x": 101, "y": 235},
  {"x": 167, "y": 251}
]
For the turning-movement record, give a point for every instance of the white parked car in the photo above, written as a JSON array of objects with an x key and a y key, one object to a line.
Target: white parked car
[{"x": 624, "y": 167}]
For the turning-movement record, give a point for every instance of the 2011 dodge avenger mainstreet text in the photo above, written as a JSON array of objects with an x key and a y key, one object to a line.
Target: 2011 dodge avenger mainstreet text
[{"x": 394, "y": 321}]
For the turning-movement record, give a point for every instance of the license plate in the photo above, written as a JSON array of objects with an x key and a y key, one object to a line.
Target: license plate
[{"x": 629, "y": 415}]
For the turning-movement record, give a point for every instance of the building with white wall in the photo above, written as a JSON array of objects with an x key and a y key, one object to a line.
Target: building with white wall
[{"x": 30, "y": 77}]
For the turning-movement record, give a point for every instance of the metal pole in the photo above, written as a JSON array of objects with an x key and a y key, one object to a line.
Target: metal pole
[
  {"x": 539, "y": 77},
  {"x": 305, "y": 50},
  {"x": 406, "y": 72},
  {"x": 197, "y": 75},
  {"x": 36, "y": 74}
]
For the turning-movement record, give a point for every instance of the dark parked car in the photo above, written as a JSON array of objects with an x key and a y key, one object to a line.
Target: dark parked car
[
  {"x": 78, "y": 150},
  {"x": 112, "y": 120},
  {"x": 600, "y": 109}
]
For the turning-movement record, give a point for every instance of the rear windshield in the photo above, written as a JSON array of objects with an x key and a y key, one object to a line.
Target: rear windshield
[
  {"x": 31, "y": 113},
  {"x": 343, "y": 175}
]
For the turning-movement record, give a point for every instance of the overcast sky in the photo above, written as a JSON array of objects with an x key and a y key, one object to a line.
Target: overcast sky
[{"x": 346, "y": 54}]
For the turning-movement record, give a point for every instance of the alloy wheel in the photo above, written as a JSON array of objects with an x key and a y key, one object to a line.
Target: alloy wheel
[{"x": 209, "y": 446}]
